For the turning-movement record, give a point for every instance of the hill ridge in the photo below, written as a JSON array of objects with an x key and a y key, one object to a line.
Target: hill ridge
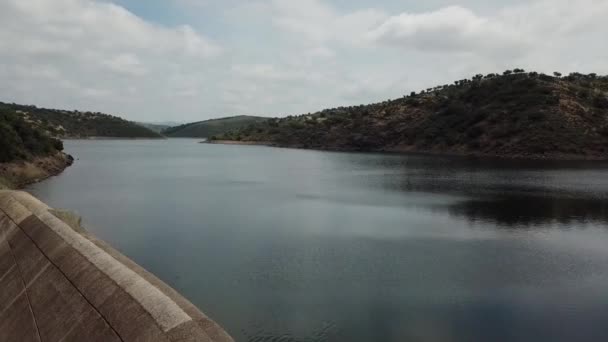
[
  {"x": 210, "y": 127},
  {"x": 62, "y": 123},
  {"x": 513, "y": 114}
]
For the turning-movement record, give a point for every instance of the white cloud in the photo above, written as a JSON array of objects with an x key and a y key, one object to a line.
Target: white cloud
[
  {"x": 273, "y": 73},
  {"x": 98, "y": 51},
  {"x": 102, "y": 26},
  {"x": 317, "y": 22},
  {"x": 448, "y": 29},
  {"x": 320, "y": 52},
  {"x": 126, "y": 63}
]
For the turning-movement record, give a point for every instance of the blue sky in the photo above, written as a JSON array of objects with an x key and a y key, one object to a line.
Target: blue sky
[{"x": 187, "y": 60}]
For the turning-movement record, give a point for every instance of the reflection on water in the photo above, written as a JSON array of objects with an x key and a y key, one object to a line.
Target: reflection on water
[
  {"x": 533, "y": 211},
  {"x": 293, "y": 245},
  {"x": 505, "y": 192}
]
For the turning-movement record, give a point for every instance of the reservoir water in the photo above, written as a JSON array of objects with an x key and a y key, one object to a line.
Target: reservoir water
[{"x": 294, "y": 245}]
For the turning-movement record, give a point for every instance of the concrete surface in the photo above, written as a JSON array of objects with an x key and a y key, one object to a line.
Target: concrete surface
[{"x": 59, "y": 284}]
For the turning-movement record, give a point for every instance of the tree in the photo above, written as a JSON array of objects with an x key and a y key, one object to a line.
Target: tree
[{"x": 557, "y": 74}]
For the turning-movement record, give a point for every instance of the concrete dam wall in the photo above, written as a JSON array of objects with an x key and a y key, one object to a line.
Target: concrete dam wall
[{"x": 58, "y": 283}]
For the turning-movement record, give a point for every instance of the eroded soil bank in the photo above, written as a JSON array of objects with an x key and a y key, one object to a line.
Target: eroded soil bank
[{"x": 18, "y": 174}]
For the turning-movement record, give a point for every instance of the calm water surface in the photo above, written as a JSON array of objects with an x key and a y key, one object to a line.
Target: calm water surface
[{"x": 292, "y": 245}]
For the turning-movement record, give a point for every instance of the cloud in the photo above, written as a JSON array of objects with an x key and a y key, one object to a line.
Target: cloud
[
  {"x": 317, "y": 22},
  {"x": 126, "y": 63},
  {"x": 273, "y": 73},
  {"x": 90, "y": 53},
  {"x": 449, "y": 29},
  {"x": 51, "y": 26},
  {"x": 535, "y": 33}
]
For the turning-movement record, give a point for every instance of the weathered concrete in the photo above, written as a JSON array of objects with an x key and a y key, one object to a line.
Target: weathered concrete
[{"x": 59, "y": 284}]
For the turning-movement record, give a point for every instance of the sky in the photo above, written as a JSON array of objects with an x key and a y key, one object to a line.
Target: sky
[{"x": 191, "y": 60}]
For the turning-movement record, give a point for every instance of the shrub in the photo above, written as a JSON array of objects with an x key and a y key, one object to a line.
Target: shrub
[
  {"x": 600, "y": 101},
  {"x": 584, "y": 94}
]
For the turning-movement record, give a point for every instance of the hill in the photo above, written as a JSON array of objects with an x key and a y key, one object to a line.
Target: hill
[
  {"x": 76, "y": 124},
  {"x": 158, "y": 128},
  {"x": 207, "y": 128},
  {"x": 26, "y": 152},
  {"x": 515, "y": 114}
]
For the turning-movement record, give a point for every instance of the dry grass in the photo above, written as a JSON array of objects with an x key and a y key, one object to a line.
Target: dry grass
[
  {"x": 5, "y": 184},
  {"x": 21, "y": 173}
]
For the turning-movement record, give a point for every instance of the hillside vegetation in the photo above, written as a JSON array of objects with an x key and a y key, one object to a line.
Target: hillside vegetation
[
  {"x": 27, "y": 154},
  {"x": 75, "y": 124},
  {"x": 208, "y": 128},
  {"x": 515, "y": 114},
  {"x": 20, "y": 141}
]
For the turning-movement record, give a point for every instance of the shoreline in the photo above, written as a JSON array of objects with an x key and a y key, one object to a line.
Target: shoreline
[
  {"x": 19, "y": 174},
  {"x": 408, "y": 150}
]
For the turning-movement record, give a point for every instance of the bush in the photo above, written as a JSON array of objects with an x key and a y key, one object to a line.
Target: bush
[
  {"x": 600, "y": 101},
  {"x": 584, "y": 94}
]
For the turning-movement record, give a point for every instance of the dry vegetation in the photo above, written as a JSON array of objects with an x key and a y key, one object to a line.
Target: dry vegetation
[{"x": 19, "y": 173}]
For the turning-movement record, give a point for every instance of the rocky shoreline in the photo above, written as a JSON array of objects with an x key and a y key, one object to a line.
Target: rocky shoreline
[{"x": 18, "y": 174}]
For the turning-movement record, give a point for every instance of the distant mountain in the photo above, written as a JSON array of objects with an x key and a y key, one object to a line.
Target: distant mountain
[
  {"x": 75, "y": 124},
  {"x": 516, "y": 114},
  {"x": 168, "y": 123},
  {"x": 207, "y": 128},
  {"x": 158, "y": 128}
]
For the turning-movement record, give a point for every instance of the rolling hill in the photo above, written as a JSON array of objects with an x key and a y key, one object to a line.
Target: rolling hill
[
  {"x": 158, "y": 128},
  {"x": 76, "y": 124},
  {"x": 514, "y": 114},
  {"x": 208, "y": 128}
]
